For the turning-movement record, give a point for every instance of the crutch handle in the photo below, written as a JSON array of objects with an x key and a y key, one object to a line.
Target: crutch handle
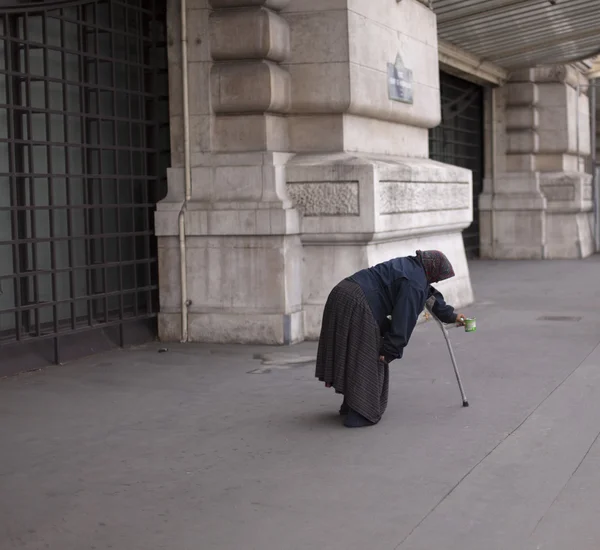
[{"x": 429, "y": 307}]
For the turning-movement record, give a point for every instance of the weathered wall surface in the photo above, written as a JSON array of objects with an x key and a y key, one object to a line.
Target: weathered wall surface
[{"x": 303, "y": 168}]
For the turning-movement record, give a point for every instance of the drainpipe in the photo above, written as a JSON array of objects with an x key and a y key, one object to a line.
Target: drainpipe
[
  {"x": 185, "y": 303},
  {"x": 593, "y": 106},
  {"x": 577, "y": 126},
  {"x": 493, "y": 163}
]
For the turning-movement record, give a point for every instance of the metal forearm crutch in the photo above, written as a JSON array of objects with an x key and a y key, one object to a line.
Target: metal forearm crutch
[{"x": 429, "y": 306}]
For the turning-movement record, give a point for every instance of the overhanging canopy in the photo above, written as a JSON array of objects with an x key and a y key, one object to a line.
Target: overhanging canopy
[{"x": 521, "y": 33}]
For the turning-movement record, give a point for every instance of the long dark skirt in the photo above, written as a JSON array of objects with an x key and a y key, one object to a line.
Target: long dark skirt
[{"x": 348, "y": 356}]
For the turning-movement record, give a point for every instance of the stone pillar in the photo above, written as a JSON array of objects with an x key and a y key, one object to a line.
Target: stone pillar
[
  {"x": 361, "y": 176},
  {"x": 244, "y": 253},
  {"x": 290, "y": 114},
  {"x": 538, "y": 203}
]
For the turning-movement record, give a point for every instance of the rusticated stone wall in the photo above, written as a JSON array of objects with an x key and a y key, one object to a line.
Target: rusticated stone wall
[
  {"x": 539, "y": 203},
  {"x": 303, "y": 168}
]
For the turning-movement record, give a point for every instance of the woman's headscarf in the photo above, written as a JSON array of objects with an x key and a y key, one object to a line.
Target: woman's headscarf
[{"x": 437, "y": 266}]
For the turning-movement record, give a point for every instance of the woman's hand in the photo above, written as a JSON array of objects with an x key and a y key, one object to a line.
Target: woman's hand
[{"x": 460, "y": 320}]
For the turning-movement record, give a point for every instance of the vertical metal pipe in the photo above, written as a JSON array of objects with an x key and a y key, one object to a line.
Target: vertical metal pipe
[
  {"x": 51, "y": 194},
  {"x": 578, "y": 126},
  {"x": 187, "y": 173},
  {"x": 100, "y": 167},
  {"x": 86, "y": 158},
  {"x": 493, "y": 167},
  {"x": 595, "y": 180},
  {"x": 30, "y": 169},
  {"x": 186, "y": 102},
  {"x": 117, "y": 169},
  {"x": 68, "y": 182},
  {"x": 15, "y": 132}
]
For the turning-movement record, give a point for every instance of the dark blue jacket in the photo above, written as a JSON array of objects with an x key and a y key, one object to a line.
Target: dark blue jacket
[{"x": 399, "y": 288}]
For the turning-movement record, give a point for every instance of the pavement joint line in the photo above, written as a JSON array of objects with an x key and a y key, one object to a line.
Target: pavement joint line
[
  {"x": 596, "y": 439},
  {"x": 471, "y": 470}
]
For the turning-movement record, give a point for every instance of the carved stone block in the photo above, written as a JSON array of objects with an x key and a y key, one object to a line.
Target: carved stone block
[
  {"x": 397, "y": 197},
  {"x": 255, "y": 33},
  {"x": 325, "y": 198},
  {"x": 250, "y": 87}
]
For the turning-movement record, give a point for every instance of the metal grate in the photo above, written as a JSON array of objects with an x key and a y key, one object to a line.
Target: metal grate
[
  {"x": 459, "y": 141},
  {"x": 84, "y": 146},
  {"x": 560, "y": 318}
]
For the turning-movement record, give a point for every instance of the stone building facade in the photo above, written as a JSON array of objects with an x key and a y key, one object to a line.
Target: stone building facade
[
  {"x": 209, "y": 169},
  {"x": 303, "y": 169},
  {"x": 538, "y": 202}
]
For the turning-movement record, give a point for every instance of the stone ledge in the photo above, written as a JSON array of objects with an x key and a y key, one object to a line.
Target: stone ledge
[
  {"x": 400, "y": 188},
  {"x": 382, "y": 237},
  {"x": 251, "y": 158},
  {"x": 513, "y": 202},
  {"x": 276, "y": 5},
  {"x": 407, "y": 169},
  {"x": 238, "y": 223}
]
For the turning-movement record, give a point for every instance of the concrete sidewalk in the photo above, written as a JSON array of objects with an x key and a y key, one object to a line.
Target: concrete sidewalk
[{"x": 208, "y": 448}]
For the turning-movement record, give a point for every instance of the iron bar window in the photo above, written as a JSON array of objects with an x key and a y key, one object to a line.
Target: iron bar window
[
  {"x": 84, "y": 146},
  {"x": 458, "y": 140}
]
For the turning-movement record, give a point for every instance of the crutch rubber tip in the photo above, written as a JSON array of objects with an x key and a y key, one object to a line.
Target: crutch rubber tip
[{"x": 465, "y": 403}]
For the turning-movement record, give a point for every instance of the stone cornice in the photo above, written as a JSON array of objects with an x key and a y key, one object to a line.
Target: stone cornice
[
  {"x": 465, "y": 62},
  {"x": 328, "y": 239},
  {"x": 564, "y": 74},
  {"x": 276, "y": 5}
]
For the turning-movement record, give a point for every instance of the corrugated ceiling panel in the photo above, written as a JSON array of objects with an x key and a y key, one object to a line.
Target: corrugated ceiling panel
[{"x": 521, "y": 33}]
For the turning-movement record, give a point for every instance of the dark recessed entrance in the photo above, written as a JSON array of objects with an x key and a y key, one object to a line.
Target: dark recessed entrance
[
  {"x": 458, "y": 140},
  {"x": 84, "y": 146}
]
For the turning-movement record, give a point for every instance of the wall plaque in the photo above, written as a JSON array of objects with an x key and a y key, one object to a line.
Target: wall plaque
[{"x": 400, "y": 82}]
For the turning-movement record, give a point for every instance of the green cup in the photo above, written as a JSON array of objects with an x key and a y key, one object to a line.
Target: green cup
[{"x": 471, "y": 325}]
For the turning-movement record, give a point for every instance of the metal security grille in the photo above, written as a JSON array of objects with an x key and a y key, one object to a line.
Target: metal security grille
[
  {"x": 84, "y": 145},
  {"x": 459, "y": 141}
]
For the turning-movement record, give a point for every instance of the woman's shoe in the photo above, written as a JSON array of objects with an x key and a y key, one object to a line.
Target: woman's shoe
[{"x": 357, "y": 420}]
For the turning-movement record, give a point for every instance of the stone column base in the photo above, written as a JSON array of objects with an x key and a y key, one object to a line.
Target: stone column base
[
  {"x": 235, "y": 328},
  {"x": 570, "y": 235},
  {"x": 242, "y": 290},
  {"x": 243, "y": 253},
  {"x": 326, "y": 264},
  {"x": 554, "y": 222},
  {"x": 359, "y": 211}
]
